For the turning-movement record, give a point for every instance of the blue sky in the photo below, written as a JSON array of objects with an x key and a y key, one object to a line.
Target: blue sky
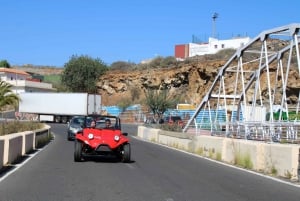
[{"x": 49, "y": 32}]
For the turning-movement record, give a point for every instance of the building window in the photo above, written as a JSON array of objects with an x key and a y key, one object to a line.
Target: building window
[
  {"x": 223, "y": 46},
  {"x": 216, "y": 46}
]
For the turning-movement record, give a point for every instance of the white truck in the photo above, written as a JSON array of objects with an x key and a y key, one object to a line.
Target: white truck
[{"x": 57, "y": 107}]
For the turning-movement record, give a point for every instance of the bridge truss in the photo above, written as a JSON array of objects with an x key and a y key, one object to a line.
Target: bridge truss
[{"x": 256, "y": 93}]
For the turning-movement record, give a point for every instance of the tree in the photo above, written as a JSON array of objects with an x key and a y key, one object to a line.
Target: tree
[
  {"x": 82, "y": 73},
  {"x": 7, "y": 97},
  {"x": 4, "y": 63},
  {"x": 124, "y": 104},
  {"x": 159, "y": 101}
]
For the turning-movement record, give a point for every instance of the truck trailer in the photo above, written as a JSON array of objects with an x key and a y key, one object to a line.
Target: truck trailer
[{"x": 57, "y": 107}]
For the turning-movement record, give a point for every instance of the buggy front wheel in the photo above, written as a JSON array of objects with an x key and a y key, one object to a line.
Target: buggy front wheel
[
  {"x": 78, "y": 151},
  {"x": 126, "y": 153}
]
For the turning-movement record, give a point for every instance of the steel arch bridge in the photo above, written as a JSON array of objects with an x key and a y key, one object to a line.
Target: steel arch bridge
[{"x": 256, "y": 93}]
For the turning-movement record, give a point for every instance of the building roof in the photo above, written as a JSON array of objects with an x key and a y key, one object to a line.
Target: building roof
[{"x": 14, "y": 71}]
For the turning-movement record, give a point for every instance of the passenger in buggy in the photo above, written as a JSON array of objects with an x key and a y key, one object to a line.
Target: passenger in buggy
[{"x": 107, "y": 123}]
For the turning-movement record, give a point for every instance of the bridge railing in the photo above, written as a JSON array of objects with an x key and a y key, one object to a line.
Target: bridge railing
[{"x": 288, "y": 132}]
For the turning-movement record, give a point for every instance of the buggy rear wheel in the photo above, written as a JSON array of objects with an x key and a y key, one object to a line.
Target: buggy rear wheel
[
  {"x": 78, "y": 151},
  {"x": 126, "y": 153}
]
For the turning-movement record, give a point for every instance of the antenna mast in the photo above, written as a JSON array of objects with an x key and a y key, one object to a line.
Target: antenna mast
[{"x": 214, "y": 17}]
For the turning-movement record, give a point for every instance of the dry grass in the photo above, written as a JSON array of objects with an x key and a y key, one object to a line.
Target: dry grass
[{"x": 10, "y": 127}]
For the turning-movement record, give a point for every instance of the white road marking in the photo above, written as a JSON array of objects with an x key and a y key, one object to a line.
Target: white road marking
[{"x": 17, "y": 166}]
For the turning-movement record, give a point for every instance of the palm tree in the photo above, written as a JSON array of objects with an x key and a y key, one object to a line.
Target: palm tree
[{"x": 7, "y": 97}]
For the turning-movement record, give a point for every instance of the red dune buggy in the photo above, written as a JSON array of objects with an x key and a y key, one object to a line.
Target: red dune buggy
[{"x": 102, "y": 136}]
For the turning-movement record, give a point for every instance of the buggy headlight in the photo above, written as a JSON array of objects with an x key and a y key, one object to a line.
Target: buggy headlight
[
  {"x": 117, "y": 138},
  {"x": 90, "y": 136}
]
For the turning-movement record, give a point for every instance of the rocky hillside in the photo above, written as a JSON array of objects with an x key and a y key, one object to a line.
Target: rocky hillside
[{"x": 189, "y": 81}]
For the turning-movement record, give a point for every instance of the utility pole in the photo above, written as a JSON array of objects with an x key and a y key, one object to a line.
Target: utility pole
[{"x": 214, "y": 17}]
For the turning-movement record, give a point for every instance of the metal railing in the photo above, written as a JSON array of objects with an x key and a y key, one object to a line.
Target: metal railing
[{"x": 284, "y": 132}]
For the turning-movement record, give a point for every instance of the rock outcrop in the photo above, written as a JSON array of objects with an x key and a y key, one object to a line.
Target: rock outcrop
[{"x": 189, "y": 81}]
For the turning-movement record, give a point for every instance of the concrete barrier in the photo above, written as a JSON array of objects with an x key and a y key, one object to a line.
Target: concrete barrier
[
  {"x": 148, "y": 133},
  {"x": 281, "y": 160},
  {"x": 41, "y": 137},
  {"x": 28, "y": 142},
  {"x": 1, "y": 152},
  {"x": 14, "y": 146}
]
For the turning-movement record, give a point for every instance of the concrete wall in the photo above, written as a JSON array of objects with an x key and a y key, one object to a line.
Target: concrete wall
[
  {"x": 14, "y": 146},
  {"x": 273, "y": 159},
  {"x": 148, "y": 133},
  {"x": 28, "y": 142},
  {"x": 1, "y": 152},
  {"x": 41, "y": 137}
]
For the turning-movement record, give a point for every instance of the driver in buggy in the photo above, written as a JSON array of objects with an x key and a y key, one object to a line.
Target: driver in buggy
[{"x": 93, "y": 124}]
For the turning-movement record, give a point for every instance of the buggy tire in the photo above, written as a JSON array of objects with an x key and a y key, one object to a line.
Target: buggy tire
[
  {"x": 78, "y": 151},
  {"x": 126, "y": 153},
  {"x": 64, "y": 119},
  {"x": 57, "y": 119}
]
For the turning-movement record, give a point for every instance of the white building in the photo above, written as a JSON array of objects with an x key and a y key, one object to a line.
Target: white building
[
  {"x": 213, "y": 46},
  {"x": 23, "y": 82}
]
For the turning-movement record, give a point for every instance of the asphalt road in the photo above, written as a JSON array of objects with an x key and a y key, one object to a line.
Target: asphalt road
[{"x": 156, "y": 173}]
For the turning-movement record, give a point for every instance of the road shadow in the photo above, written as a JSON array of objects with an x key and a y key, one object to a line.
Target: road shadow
[
  {"x": 7, "y": 168},
  {"x": 104, "y": 159}
]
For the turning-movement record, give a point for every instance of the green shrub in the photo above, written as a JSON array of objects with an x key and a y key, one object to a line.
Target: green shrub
[
  {"x": 219, "y": 156},
  {"x": 200, "y": 151},
  {"x": 171, "y": 127},
  {"x": 243, "y": 161},
  {"x": 43, "y": 141},
  {"x": 274, "y": 171}
]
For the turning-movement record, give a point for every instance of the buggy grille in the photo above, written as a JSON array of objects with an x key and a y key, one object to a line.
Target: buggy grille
[{"x": 103, "y": 148}]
